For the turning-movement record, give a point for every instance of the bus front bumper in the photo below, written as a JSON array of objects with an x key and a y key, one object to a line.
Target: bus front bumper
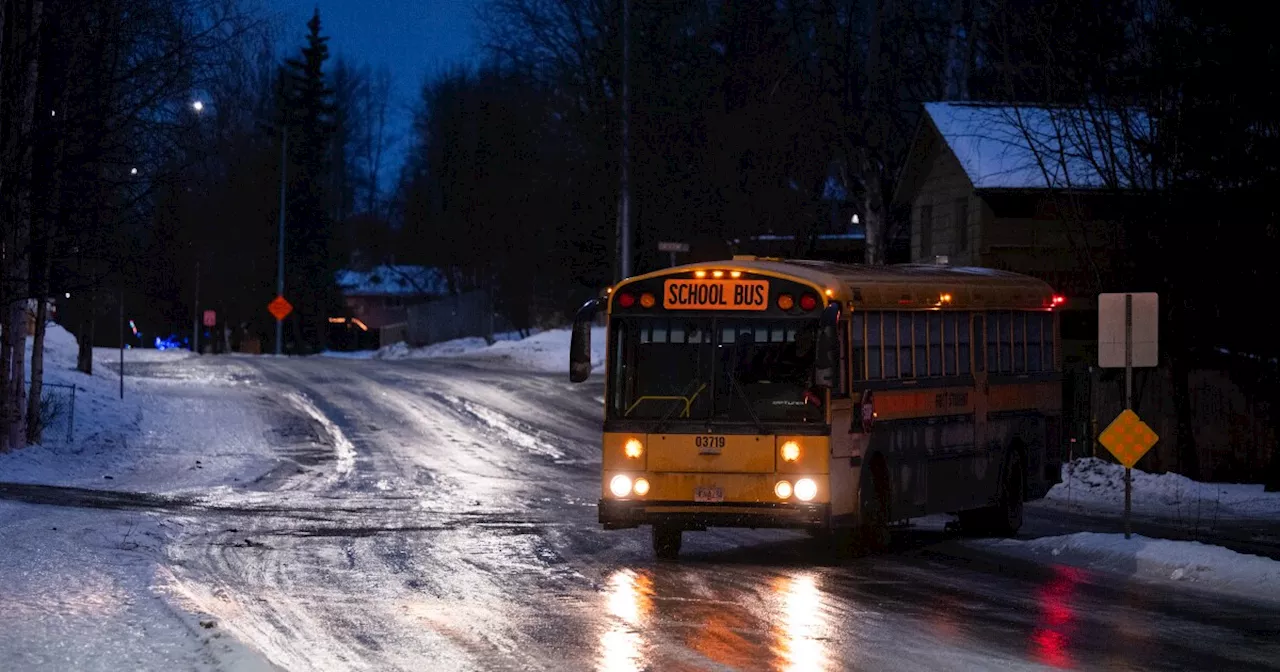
[{"x": 623, "y": 514}]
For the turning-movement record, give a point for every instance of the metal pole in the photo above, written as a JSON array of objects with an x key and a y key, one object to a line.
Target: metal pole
[
  {"x": 122, "y": 340},
  {"x": 1128, "y": 398},
  {"x": 624, "y": 205},
  {"x": 673, "y": 259},
  {"x": 195, "y": 319},
  {"x": 284, "y": 148}
]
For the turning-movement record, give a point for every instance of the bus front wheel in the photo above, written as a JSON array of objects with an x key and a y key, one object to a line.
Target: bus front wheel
[{"x": 666, "y": 541}]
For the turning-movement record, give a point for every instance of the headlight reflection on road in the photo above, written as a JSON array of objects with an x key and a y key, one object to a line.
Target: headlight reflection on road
[
  {"x": 804, "y": 628},
  {"x": 630, "y": 599}
]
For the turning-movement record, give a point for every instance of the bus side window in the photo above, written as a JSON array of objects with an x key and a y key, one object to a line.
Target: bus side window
[
  {"x": 1035, "y": 334},
  {"x": 993, "y": 342},
  {"x": 935, "y": 344},
  {"x": 873, "y": 346},
  {"x": 1019, "y": 342},
  {"x": 1050, "y": 342},
  {"x": 962, "y": 327},
  {"x": 858, "y": 335},
  {"x": 921, "y": 345},
  {"x": 949, "y": 343},
  {"x": 890, "y": 345},
  {"x": 1005, "y": 333},
  {"x": 904, "y": 345}
]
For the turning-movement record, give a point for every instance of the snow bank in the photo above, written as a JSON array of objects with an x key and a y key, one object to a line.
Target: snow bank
[
  {"x": 545, "y": 352},
  {"x": 1188, "y": 562},
  {"x": 102, "y": 421},
  {"x": 155, "y": 439},
  {"x": 1092, "y": 484}
]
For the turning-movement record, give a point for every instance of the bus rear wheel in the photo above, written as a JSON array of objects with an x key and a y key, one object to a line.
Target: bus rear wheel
[
  {"x": 666, "y": 541},
  {"x": 1005, "y": 518}
]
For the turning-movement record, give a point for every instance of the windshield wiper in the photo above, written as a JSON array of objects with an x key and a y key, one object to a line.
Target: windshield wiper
[{"x": 751, "y": 411}]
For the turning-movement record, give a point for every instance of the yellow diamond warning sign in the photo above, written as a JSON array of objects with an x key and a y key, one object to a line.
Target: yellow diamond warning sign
[{"x": 1128, "y": 438}]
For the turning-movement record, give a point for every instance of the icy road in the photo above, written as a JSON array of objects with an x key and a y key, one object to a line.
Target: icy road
[{"x": 439, "y": 516}]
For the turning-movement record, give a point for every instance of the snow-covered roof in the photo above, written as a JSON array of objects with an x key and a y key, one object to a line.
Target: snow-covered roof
[
  {"x": 1027, "y": 147},
  {"x": 393, "y": 280}
]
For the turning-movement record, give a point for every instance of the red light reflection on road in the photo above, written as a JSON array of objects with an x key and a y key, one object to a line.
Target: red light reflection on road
[{"x": 1051, "y": 640}]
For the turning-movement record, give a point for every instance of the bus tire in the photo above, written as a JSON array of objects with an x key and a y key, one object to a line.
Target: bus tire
[
  {"x": 1004, "y": 519},
  {"x": 873, "y": 529},
  {"x": 666, "y": 541}
]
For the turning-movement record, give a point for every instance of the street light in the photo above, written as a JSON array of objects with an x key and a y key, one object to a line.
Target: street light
[{"x": 198, "y": 106}]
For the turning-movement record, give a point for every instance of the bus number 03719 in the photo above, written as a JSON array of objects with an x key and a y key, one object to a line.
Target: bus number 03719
[{"x": 709, "y": 443}]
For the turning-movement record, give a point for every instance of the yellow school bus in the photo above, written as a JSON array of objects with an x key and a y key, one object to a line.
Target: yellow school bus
[{"x": 833, "y": 398}]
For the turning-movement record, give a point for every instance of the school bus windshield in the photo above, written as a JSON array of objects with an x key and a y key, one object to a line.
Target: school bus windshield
[{"x": 714, "y": 369}]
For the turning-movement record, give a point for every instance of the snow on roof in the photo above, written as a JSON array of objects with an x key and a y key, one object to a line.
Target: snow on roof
[
  {"x": 392, "y": 280},
  {"x": 1023, "y": 147}
]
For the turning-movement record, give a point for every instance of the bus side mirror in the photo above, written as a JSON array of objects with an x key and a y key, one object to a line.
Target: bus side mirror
[
  {"x": 827, "y": 356},
  {"x": 580, "y": 341}
]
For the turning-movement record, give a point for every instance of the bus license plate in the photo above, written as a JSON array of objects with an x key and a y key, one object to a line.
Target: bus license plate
[{"x": 708, "y": 494}]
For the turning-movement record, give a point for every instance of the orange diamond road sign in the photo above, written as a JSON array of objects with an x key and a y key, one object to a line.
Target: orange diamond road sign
[
  {"x": 1128, "y": 438},
  {"x": 279, "y": 308}
]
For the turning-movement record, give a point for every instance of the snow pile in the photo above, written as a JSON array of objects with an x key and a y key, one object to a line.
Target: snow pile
[
  {"x": 546, "y": 352},
  {"x": 454, "y": 348},
  {"x": 1209, "y": 567},
  {"x": 101, "y": 422},
  {"x": 1091, "y": 483}
]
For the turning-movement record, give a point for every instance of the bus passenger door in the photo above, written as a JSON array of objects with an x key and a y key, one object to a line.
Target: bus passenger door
[{"x": 981, "y": 388}]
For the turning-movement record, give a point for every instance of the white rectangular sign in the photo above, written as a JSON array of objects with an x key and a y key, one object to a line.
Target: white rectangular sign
[
  {"x": 1145, "y": 326},
  {"x": 673, "y": 247}
]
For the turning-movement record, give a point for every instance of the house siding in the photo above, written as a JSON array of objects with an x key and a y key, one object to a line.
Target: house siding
[{"x": 944, "y": 184}]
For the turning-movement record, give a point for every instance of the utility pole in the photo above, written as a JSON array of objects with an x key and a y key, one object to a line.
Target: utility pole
[
  {"x": 284, "y": 158},
  {"x": 122, "y": 339},
  {"x": 624, "y": 200},
  {"x": 195, "y": 319}
]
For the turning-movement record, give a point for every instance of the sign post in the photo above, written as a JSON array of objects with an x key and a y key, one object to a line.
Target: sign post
[
  {"x": 1128, "y": 336},
  {"x": 672, "y": 248}
]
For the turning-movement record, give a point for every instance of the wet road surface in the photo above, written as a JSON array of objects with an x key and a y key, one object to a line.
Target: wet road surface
[{"x": 437, "y": 516}]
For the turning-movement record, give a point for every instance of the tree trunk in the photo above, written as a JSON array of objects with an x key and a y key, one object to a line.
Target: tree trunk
[
  {"x": 18, "y": 388},
  {"x": 35, "y": 428},
  {"x": 84, "y": 358}
]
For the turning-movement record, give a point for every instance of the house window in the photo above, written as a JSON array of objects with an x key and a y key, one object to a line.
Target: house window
[
  {"x": 962, "y": 223},
  {"x": 926, "y": 231}
]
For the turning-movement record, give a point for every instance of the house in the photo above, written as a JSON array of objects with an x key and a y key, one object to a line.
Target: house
[
  {"x": 378, "y": 299},
  {"x": 1019, "y": 187},
  {"x": 1025, "y": 189}
]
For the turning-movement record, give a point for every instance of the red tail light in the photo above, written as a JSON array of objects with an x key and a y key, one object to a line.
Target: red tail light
[
  {"x": 626, "y": 300},
  {"x": 808, "y": 302},
  {"x": 1059, "y": 299}
]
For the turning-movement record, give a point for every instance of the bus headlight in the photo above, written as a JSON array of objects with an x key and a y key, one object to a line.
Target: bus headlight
[
  {"x": 620, "y": 486},
  {"x": 806, "y": 489},
  {"x": 633, "y": 449},
  {"x": 782, "y": 490},
  {"x": 790, "y": 451},
  {"x": 641, "y": 487}
]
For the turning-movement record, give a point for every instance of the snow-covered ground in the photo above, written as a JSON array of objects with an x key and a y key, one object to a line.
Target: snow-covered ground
[
  {"x": 152, "y": 439},
  {"x": 544, "y": 352},
  {"x": 1091, "y": 484},
  {"x": 88, "y": 588},
  {"x": 1162, "y": 561},
  {"x": 82, "y": 589}
]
